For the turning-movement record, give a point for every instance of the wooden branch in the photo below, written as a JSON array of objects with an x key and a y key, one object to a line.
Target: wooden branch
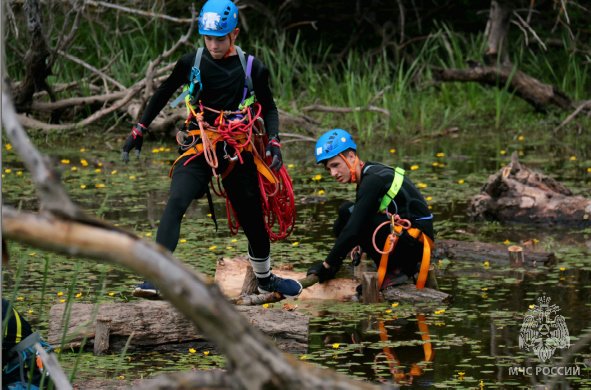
[
  {"x": 584, "y": 106},
  {"x": 345, "y": 110},
  {"x": 536, "y": 93},
  {"x": 252, "y": 358},
  {"x": 51, "y": 364},
  {"x": 102, "y": 75},
  {"x": 138, "y": 12}
]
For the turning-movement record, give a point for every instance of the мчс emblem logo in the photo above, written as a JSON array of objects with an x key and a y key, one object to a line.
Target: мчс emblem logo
[{"x": 542, "y": 333}]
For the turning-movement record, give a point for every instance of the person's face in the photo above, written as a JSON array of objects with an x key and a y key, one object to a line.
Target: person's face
[
  {"x": 219, "y": 46},
  {"x": 338, "y": 169}
]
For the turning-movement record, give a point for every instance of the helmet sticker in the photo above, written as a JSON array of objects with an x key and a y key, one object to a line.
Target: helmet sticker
[
  {"x": 318, "y": 151},
  {"x": 210, "y": 20}
]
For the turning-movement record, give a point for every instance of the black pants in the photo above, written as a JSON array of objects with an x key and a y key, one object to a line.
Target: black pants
[
  {"x": 405, "y": 257},
  {"x": 241, "y": 185}
]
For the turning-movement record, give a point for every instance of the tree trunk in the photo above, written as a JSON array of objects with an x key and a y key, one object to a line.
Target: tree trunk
[
  {"x": 497, "y": 32},
  {"x": 519, "y": 194},
  {"x": 35, "y": 62},
  {"x": 158, "y": 323}
]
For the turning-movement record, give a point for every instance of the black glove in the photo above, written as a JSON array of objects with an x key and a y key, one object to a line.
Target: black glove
[
  {"x": 274, "y": 150},
  {"x": 322, "y": 272},
  {"x": 134, "y": 140}
]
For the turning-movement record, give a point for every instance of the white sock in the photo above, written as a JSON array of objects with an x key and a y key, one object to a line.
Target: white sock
[{"x": 260, "y": 266}]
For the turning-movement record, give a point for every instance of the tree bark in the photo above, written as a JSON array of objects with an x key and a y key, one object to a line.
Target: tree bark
[
  {"x": 517, "y": 193},
  {"x": 541, "y": 96},
  {"x": 157, "y": 323},
  {"x": 497, "y": 31}
]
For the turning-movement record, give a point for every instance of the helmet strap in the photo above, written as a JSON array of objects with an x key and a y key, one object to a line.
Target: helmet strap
[{"x": 352, "y": 167}]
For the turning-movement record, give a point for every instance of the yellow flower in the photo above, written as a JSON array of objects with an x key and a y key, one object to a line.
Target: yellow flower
[
  {"x": 62, "y": 300},
  {"x": 229, "y": 248},
  {"x": 149, "y": 234},
  {"x": 317, "y": 178},
  {"x": 336, "y": 345},
  {"x": 303, "y": 357},
  {"x": 83, "y": 186},
  {"x": 213, "y": 247},
  {"x": 503, "y": 152},
  {"x": 65, "y": 161},
  {"x": 132, "y": 177},
  {"x": 421, "y": 185},
  {"x": 395, "y": 304},
  {"x": 486, "y": 264},
  {"x": 121, "y": 377},
  {"x": 100, "y": 185},
  {"x": 205, "y": 353},
  {"x": 435, "y": 164},
  {"x": 234, "y": 240},
  {"x": 74, "y": 169},
  {"x": 20, "y": 299},
  {"x": 562, "y": 269},
  {"x": 290, "y": 166},
  {"x": 60, "y": 293},
  {"x": 573, "y": 158},
  {"x": 79, "y": 295},
  {"x": 461, "y": 181},
  {"x": 589, "y": 170},
  {"x": 83, "y": 162},
  {"x": 7, "y": 170},
  {"x": 192, "y": 350},
  {"x": 531, "y": 307},
  {"x": 296, "y": 243},
  {"x": 392, "y": 151},
  {"x": 30, "y": 311},
  {"x": 111, "y": 293},
  {"x": 114, "y": 172},
  {"x": 520, "y": 138},
  {"x": 183, "y": 240},
  {"x": 429, "y": 198},
  {"x": 100, "y": 164},
  {"x": 461, "y": 375},
  {"x": 83, "y": 150},
  {"x": 208, "y": 215},
  {"x": 265, "y": 305},
  {"x": 441, "y": 311},
  {"x": 8, "y": 147},
  {"x": 440, "y": 154},
  {"x": 506, "y": 242},
  {"x": 388, "y": 311},
  {"x": 19, "y": 173},
  {"x": 484, "y": 288},
  {"x": 414, "y": 167},
  {"x": 321, "y": 192}
]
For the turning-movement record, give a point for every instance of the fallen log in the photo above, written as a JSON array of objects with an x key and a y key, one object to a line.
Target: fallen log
[
  {"x": 157, "y": 323},
  {"x": 493, "y": 253},
  {"x": 230, "y": 277},
  {"x": 533, "y": 91},
  {"x": 409, "y": 293},
  {"x": 519, "y": 194}
]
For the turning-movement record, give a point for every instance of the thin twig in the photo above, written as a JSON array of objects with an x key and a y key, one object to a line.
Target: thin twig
[
  {"x": 586, "y": 104},
  {"x": 86, "y": 65},
  {"x": 138, "y": 12},
  {"x": 345, "y": 110}
]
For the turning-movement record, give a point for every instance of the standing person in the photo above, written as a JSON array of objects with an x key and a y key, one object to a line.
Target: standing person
[
  {"x": 220, "y": 87},
  {"x": 390, "y": 220}
]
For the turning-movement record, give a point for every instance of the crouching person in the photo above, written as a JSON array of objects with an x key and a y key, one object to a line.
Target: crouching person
[{"x": 389, "y": 220}]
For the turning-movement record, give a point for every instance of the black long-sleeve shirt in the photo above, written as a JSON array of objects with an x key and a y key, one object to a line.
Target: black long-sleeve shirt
[
  {"x": 223, "y": 88},
  {"x": 374, "y": 182}
]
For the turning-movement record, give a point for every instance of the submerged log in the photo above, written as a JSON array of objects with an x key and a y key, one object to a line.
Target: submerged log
[
  {"x": 493, "y": 253},
  {"x": 409, "y": 293},
  {"x": 154, "y": 323},
  {"x": 519, "y": 194}
]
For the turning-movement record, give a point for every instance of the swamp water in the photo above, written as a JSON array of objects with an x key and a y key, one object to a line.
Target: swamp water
[{"x": 471, "y": 342}]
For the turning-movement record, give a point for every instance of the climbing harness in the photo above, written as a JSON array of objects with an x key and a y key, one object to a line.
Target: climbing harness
[
  {"x": 242, "y": 130},
  {"x": 397, "y": 227}
]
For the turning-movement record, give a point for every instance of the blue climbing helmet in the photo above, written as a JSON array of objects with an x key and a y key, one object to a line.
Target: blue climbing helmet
[
  {"x": 218, "y": 18},
  {"x": 332, "y": 143}
]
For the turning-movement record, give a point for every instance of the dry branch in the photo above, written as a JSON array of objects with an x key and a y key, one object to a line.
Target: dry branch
[
  {"x": 345, "y": 110},
  {"x": 533, "y": 91}
]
